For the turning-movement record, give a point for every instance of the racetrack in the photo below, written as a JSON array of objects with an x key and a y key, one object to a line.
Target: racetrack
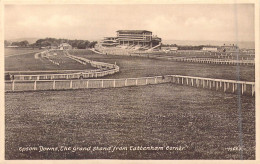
[{"x": 205, "y": 122}]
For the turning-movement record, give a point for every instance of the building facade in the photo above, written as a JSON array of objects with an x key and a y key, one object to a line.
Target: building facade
[
  {"x": 229, "y": 48},
  {"x": 210, "y": 49},
  {"x": 110, "y": 41},
  {"x": 132, "y": 38},
  {"x": 65, "y": 46}
]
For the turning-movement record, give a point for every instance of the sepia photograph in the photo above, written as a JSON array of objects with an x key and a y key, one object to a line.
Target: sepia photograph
[{"x": 129, "y": 81}]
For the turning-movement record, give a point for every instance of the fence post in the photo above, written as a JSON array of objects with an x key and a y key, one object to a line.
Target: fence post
[
  {"x": 136, "y": 81},
  {"x": 13, "y": 85},
  {"x": 155, "y": 80},
  {"x": 114, "y": 83},
  {"x": 125, "y": 82},
  {"x": 70, "y": 83},
  {"x": 102, "y": 83},
  {"x": 253, "y": 89},
  {"x": 34, "y": 87},
  {"x": 146, "y": 81},
  {"x": 53, "y": 86},
  {"x": 242, "y": 88}
]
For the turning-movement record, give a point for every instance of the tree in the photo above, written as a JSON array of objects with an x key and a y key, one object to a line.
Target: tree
[
  {"x": 6, "y": 43},
  {"x": 81, "y": 45},
  {"x": 24, "y": 43},
  {"x": 92, "y": 44}
]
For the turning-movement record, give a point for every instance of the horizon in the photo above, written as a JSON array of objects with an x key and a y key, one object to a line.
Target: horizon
[
  {"x": 240, "y": 44},
  {"x": 223, "y": 22}
]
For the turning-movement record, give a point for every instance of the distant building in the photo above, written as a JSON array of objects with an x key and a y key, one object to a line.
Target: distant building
[
  {"x": 229, "y": 48},
  {"x": 12, "y": 46},
  {"x": 170, "y": 48},
  {"x": 248, "y": 50},
  {"x": 110, "y": 41},
  {"x": 210, "y": 48},
  {"x": 65, "y": 46}
]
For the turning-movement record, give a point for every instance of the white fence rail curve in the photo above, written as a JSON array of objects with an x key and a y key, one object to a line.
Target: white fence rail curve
[{"x": 103, "y": 70}]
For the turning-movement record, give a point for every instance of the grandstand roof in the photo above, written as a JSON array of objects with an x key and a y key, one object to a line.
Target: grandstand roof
[{"x": 133, "y": 31}]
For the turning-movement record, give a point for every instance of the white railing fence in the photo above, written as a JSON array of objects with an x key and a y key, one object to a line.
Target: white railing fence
[{"x": 230, "y": 86}]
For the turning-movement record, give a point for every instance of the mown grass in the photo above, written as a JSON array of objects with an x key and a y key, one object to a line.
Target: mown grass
[
  {"x": 17, "y": 51},
  {"x": 28, "y": 62},
  {"x": 144, "y": 67},
  {"x": 207, "y": 122}
]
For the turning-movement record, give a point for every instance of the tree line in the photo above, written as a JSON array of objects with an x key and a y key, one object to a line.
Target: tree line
[
  {"x": 23, "y": 43},
  {"x": 53, "y": 42}
]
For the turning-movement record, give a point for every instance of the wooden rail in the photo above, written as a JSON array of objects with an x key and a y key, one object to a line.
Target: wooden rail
[
  {"x": 216, "y": 61},
  {"x": 231, "y": 86},
  {"x": 29, "y": 85},
  {"x": 199, "y": 60},
  {"x": 222, "y": 57}
]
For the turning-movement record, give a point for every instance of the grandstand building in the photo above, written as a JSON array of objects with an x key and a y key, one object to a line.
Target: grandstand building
[
  {"x": 110, "y": 41},
  {"x": 135, "y": 38}
]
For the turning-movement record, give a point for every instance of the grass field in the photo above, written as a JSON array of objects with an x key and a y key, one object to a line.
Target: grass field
[
  {"x": 28, "y": 62},
  {"x": 205, "y": 122},
  {"x": 141, "y": 67},
  {"x": 18, "y": 51}
]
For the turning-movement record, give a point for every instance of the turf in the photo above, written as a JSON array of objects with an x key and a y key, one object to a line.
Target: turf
[
  {"x": 28, "y": 62},
  {"x": 17, "y": 51},
  {"x": 144, "y": 67},
  {"x": 205, "y": 122}
]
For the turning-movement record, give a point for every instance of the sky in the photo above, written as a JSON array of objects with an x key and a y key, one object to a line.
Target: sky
[{"x": 220, "y": 22}]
